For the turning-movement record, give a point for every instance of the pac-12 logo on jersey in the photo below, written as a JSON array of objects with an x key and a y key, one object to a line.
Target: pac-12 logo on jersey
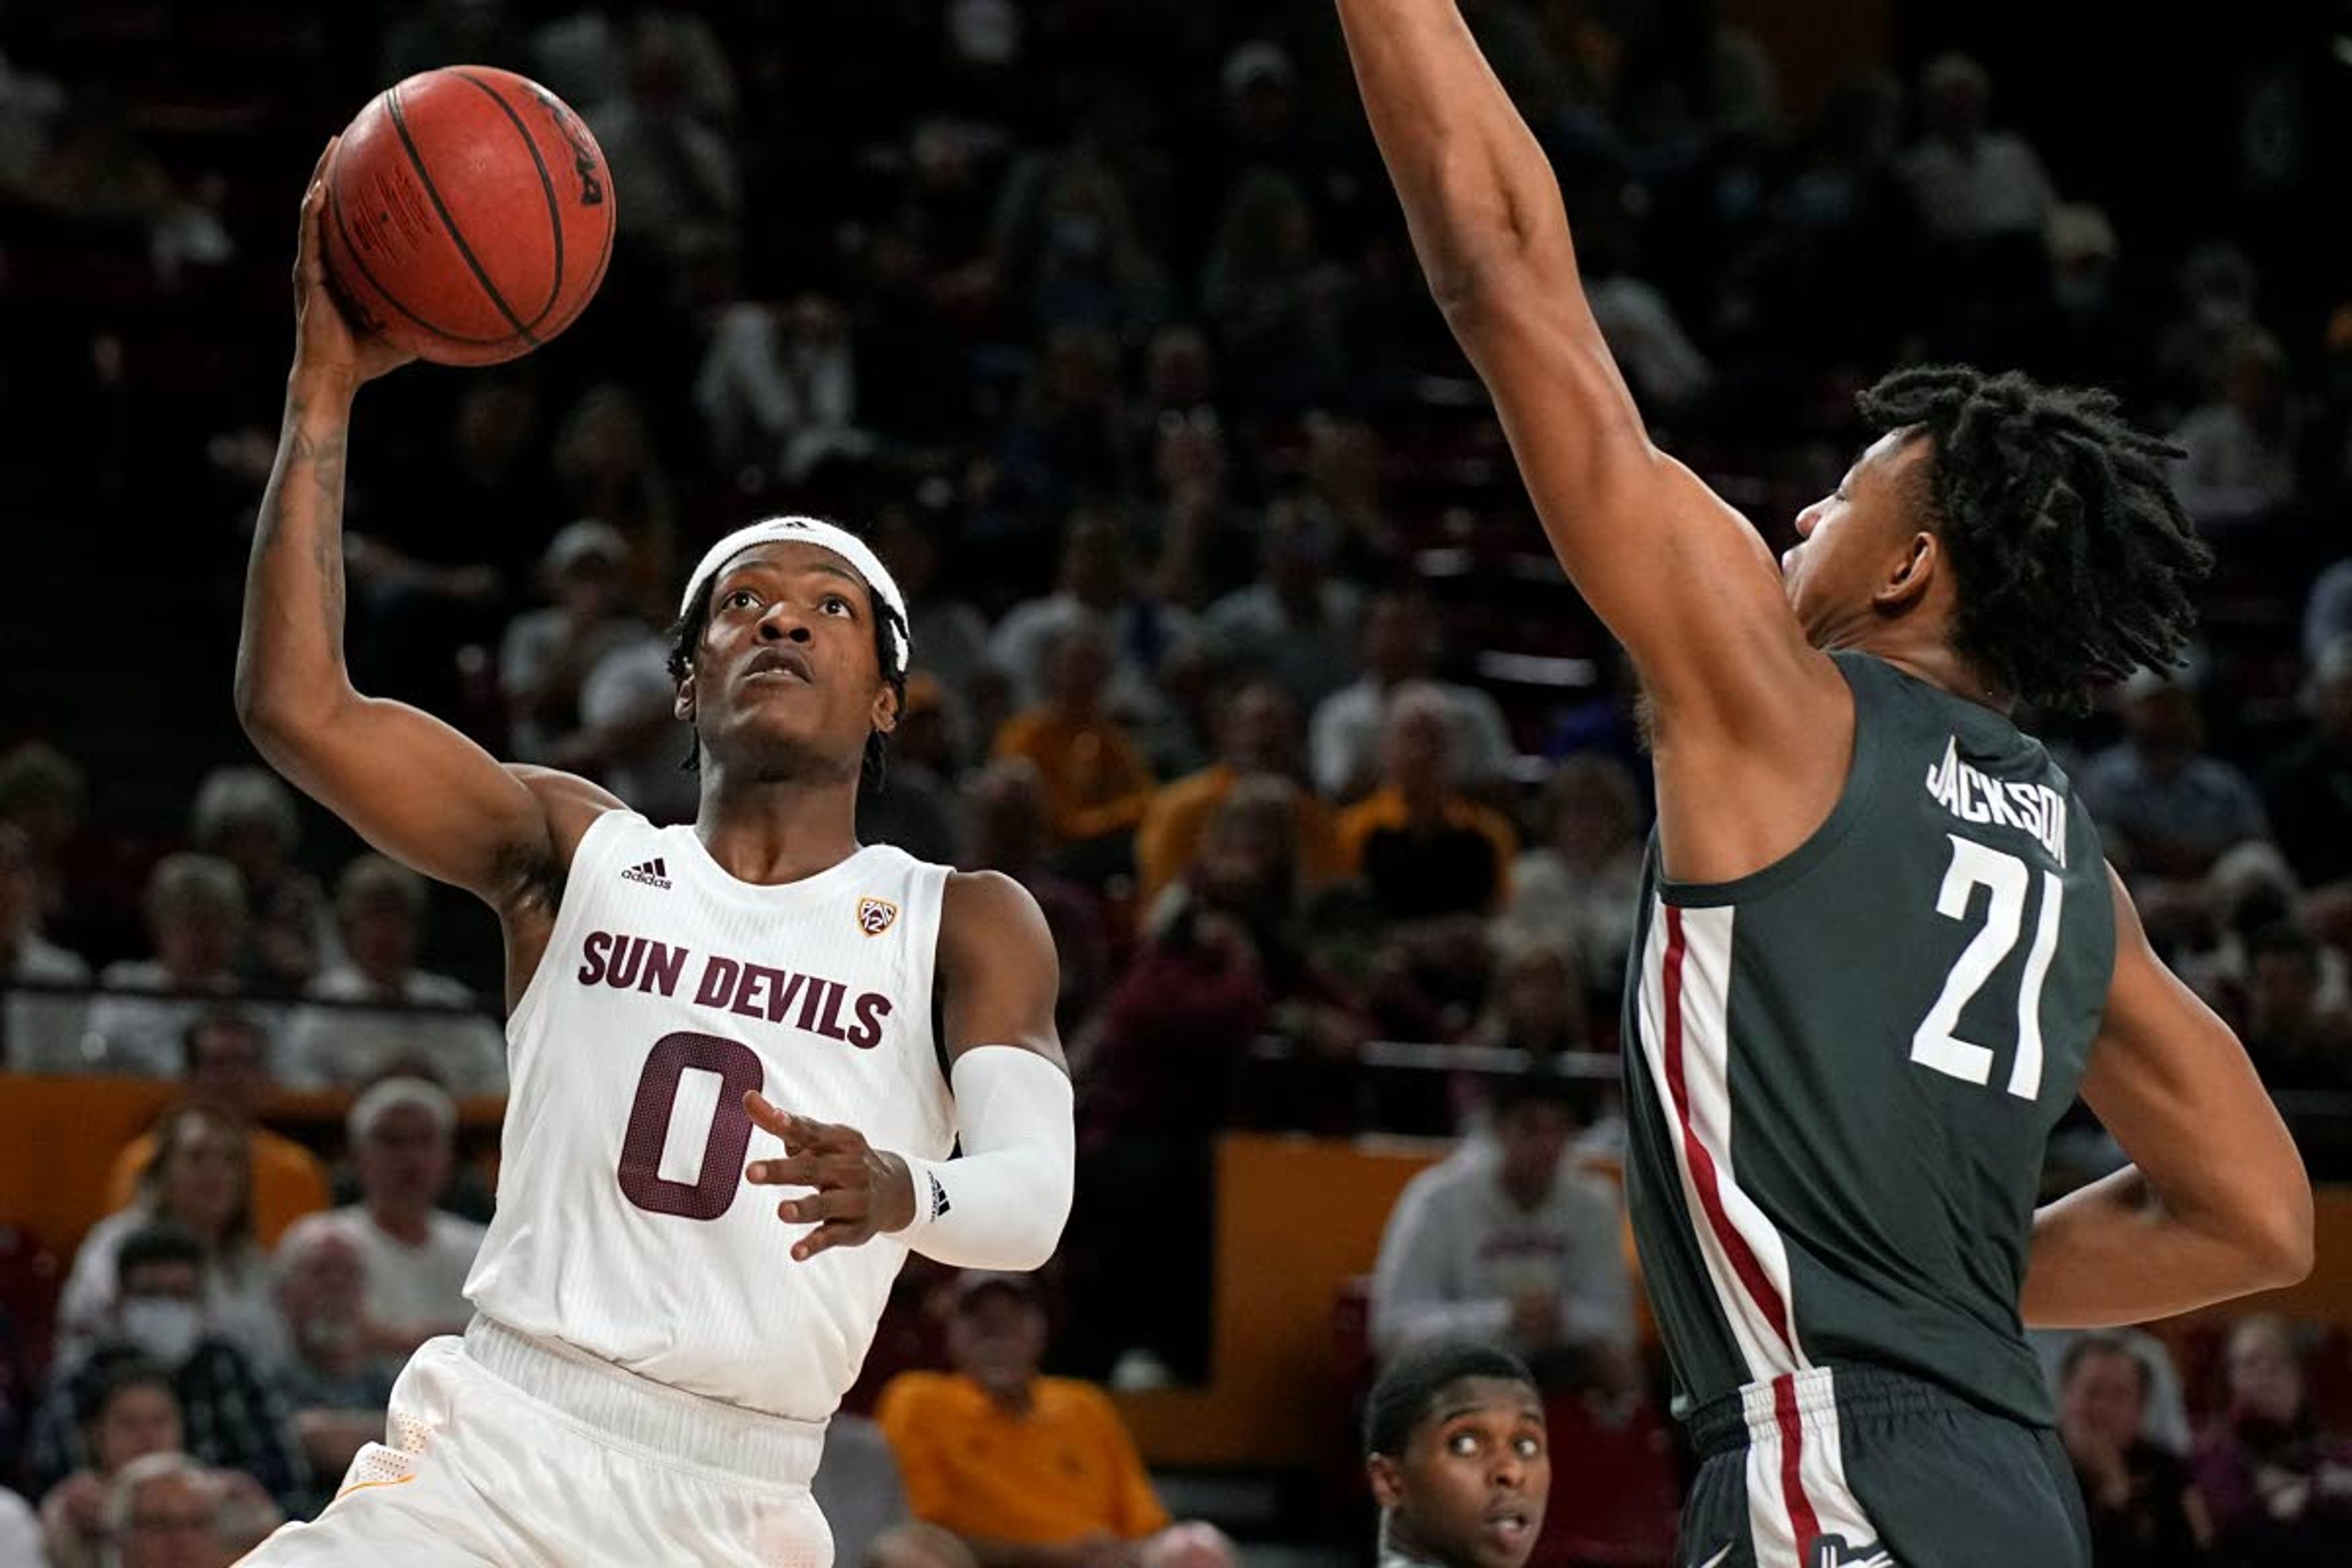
[{"x": 875, "y": 916}]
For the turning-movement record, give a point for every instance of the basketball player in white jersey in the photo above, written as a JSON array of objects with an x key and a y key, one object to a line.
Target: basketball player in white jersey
[{"x": 658, "y": 1349}]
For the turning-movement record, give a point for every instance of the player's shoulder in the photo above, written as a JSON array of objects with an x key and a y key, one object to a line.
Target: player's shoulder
[{"x": 988, "y": 905}]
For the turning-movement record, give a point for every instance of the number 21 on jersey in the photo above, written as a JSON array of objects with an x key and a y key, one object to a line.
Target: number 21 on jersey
[{"x": 2007, "y": 879}]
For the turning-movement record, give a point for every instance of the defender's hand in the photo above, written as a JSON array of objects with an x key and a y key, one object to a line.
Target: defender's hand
[
  {"x": 326, "y": 342},
  {"x": 860, "y": 1191}
]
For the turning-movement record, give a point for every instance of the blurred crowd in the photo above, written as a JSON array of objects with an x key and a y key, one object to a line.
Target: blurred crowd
[{"x": 1233, "y": 641}]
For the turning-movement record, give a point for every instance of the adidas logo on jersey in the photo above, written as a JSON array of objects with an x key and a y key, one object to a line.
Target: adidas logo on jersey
[
  {"x": 652, "y": 873},
  {"x": 875, "y": 916},
  {"x": 940, "y": 1205}
]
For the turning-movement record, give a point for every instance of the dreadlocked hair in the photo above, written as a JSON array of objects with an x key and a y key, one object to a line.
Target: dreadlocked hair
[
  {"x": 2073, "y": 557},
  {"x": 874, "y": 767}
]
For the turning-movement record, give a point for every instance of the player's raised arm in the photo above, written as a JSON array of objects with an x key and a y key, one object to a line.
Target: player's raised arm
[
  {"x": 1680, "y": 578},
  {"x": 410, "y": 784},
  {"x": 2216, "y": 1205}
]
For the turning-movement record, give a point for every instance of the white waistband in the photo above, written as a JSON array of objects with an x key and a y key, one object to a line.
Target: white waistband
[{"x": 616, "y": 1403}]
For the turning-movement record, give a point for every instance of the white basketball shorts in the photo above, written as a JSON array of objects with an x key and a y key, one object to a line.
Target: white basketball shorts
[{"x": 502, "y": 1449}]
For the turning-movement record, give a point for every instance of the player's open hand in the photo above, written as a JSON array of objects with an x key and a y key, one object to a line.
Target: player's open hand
[
  {"x": 326, "y": 341},
  {"x": 859, "y": 1191}
]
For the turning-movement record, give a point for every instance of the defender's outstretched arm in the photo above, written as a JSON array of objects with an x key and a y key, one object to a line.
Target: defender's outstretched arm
[{"x": 1677, "y": 575}]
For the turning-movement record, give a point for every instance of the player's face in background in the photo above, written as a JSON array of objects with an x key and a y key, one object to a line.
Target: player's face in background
[
  {"x": 998, "y": 1339},
  {"x": 1470, "y": 1488},
  {"x": 787, "y": 678},
  {"x": 1851, "y": 542}
]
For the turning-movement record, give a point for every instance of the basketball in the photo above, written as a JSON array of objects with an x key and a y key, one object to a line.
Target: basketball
[{"x": 469, "y": 215}]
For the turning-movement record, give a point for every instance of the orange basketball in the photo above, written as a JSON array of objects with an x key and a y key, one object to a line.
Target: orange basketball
[{"x": 469, "y": 215}]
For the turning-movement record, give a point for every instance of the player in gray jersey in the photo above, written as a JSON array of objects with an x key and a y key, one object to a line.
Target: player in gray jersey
[{"x": 1879, "y": 950}]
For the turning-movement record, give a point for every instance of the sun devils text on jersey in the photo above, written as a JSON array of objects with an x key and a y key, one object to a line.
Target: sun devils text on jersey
[{"x": 668, "y": 989}]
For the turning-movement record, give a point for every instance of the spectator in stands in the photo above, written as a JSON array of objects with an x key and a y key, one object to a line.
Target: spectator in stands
[
  {"x": 546, "y": 654},
  {"x": 1506, "y": 1242},
  {"x": 2164, "y": 1408},
  {"x": 246, "y": 816},
  {"x": 333, "y": 1379},
  {"x": 2169, "y": 809},
  {"x": 685, "y": 188},
  {"x": 914, "y": 1544},
  {"x": 38, "y": 1029},
  {"x": 2220, "y": 292},
  {"x": 2298, "y": 1042},
  {"x": 915, "y": 808},
  {"x": 585, "y": 55},
  {"x": 1536, "y": 1003},
  {"x": 196, "y": 918},
  {"x": 2308, "y": 791},
  {"x": 1972, "y": 183},
  {"x": 1097, "y": 783},
  {"x": 1068, "y": 247},
  {"x": 167, "y": 1510},
  {"x": 1224, "y": 963},
  {"x": 1057, "y": 451},
  {"x": 227, "y": 1058},
  {"x": 1423, "y": 848},
  {"x": 1455, "y": 1452},
  {"x": 230, "y": 1414},
  {"x": 383, "y": 1014},
  {"x": 628, "y": 735},
  {"x": 606, "y": 464},
  {"x": 955, "y": 636},
  {"x": 2327, "y": 613},
  {"x": 858, "y": 1487},
  {"x": 1205, "y": 537},
  {"x": 41, "y": 794},
  {"x": 2089, "y": 336},
  {"x": 778, "y": 390},
  {"x": 134, "y": 1413},
  {"x": 24, "y": 953},
  {"x": 1578, "y": 886},
  {"x": 200, "y": 1182},
  {"x": 1006, "y": 829},
  {"x": 1258, "y": 733},
  {"x": 2143, "y": 1510},
  {"x": 2280, "y": 1485},
  {"x": 1296, "y": 625},
  {"x": 1279, "y": 308},
  {"x": 1344, "y": 738},
  {"x": 1100, "y": 584},
  {"x": 414, "y": 1254},
  {"x": 20, "y": 1527},
  {"x": 1030, "y": 1471},
  {"x": 2240, "y": 445}
]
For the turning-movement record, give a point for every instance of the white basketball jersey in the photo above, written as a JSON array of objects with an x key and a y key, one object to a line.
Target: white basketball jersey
[{"x": 668, "y": 988}]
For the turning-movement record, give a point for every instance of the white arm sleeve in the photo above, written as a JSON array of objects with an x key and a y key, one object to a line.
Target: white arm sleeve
[{"x": 1002, "y": 1203}]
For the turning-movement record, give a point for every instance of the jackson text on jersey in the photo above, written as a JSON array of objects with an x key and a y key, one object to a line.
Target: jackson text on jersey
[{"x": 1976, "y": 796}]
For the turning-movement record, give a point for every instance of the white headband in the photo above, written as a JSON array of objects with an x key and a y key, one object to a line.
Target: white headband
[{"x": 824, "y": 536}]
